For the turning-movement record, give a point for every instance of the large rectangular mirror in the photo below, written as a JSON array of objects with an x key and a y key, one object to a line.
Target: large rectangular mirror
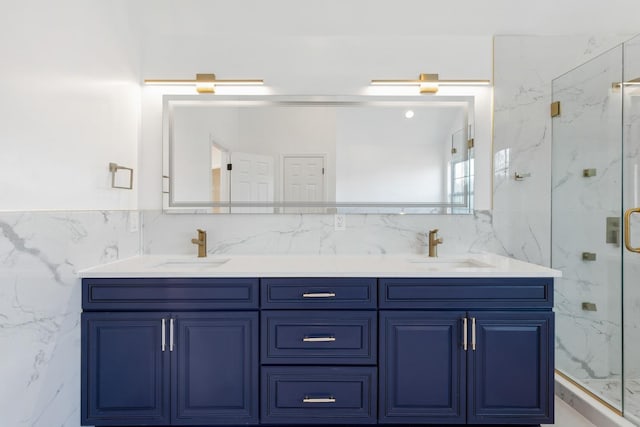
[{"x": 274, "y": 154}]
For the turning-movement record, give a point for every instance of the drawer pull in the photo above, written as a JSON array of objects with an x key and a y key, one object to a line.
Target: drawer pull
[
  {"x": 319, "y": 339},
  {"x": 318, "y": 295},
  {"x": 319, "y": 400}
]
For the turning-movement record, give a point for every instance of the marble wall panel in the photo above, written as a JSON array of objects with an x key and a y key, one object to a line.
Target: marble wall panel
[
  {"x": 315, "y": 234},
  {"x": 40, "y": 304}
]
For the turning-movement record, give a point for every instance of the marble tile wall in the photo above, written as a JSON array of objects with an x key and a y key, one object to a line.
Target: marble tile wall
[
  {"x": 315, "y": 234},
  {"x": 40, "y": 304}
]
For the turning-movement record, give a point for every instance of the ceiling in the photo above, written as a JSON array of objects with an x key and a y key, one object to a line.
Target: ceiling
[{"x": 386, "y": 18}]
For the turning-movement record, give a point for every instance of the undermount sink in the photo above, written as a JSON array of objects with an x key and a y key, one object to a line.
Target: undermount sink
[
  {"x": 449, "y": 263},
  {"x": 192, "y": 264}
]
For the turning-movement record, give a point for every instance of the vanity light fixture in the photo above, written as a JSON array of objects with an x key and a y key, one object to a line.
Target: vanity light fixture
[
  {"x": 205, "y": 83},
  {"x": 429, "y": 83}
]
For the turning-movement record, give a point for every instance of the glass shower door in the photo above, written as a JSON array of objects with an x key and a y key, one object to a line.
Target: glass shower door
[
  {"x": 631, "y": 259},
  {"x": 586, "y": 226}
]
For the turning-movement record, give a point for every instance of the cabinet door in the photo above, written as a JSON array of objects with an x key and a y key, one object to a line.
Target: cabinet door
[
  {"x": 510, "y": 373},
  {"x": 215, "y": 368},
  {"x": 422, "y": 367},
  {"x": 125, "y": 373}
]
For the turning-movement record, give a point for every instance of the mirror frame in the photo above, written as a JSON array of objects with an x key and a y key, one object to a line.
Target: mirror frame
[{"x": 170, "y": 205}]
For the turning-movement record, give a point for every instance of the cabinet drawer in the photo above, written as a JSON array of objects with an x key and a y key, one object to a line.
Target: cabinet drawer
[
  {"x": 169, "y": 294},
  {"x": 464, "y": 294},
  {"x": 319, "y": 337},
  {"x": 316, "y": 292},
  {"x": 319, "y": 395}
]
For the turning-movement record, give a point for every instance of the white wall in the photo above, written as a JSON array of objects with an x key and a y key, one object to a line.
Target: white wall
[{"x": 70, "y": 104}]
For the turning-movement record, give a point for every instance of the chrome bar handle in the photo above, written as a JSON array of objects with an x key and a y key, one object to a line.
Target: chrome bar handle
[
  {"x": 319, "y": 339},
  {"x": 318, "y": 295},
  {"x": 164, "y": 333},
  {"x": 171, "y": 334},
  {"x": 473, "y": 333},
  {"x": 319, "y": 400},
  {"x": 627, "y": 229},
  {"x": 464, "y": 333}
]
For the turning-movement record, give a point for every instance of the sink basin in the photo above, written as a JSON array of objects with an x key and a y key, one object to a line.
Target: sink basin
[
  {"x": 449, "y": 263},
  {"x": 191, "y": 264}
]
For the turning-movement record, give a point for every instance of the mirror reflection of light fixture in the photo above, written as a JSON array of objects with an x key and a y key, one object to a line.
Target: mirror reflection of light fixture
[
  {"x": 204, "y": 83},
  {"x": 429, "y": 83}
]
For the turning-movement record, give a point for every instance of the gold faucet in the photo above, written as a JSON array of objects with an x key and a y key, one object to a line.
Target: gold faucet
[
  {"x": 434, "y": 241},
  {"x": 201, "y": 241}
]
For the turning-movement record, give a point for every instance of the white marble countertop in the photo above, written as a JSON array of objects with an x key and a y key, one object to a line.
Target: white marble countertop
[{"x": 409, "y": 265}]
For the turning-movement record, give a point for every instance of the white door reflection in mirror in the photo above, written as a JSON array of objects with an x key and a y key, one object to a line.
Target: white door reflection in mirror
[
  {"x": 303, "y": 181},
  {"x": 252, "y": 177}
]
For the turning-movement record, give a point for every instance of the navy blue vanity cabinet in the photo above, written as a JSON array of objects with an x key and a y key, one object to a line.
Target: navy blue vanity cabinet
[
  {"x": 174, "y": 367},
  {"x": 319, "y": 351},
  {"x": 475, "y": 351},
  {"x": 302, "y": 351}
]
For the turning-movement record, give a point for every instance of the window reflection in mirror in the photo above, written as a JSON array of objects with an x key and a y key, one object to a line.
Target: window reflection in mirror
[{"x": 379, "y": 156}]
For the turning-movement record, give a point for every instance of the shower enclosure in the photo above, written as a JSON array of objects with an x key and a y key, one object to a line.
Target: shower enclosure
[{"x": 595, "y": 181}]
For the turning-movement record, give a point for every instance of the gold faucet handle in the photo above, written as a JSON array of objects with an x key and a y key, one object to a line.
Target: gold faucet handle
[{"x": 434, "y": 231}]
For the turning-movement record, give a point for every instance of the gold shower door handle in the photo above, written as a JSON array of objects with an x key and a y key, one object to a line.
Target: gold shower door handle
[{"x": 627, "y": 229}]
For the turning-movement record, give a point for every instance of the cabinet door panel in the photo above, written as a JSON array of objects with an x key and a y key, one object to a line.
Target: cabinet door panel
[
  {"x": 421, "y": 367},
  {"x": 125, "y": 376},
  {"x": 215, "y": 368},
  {"x": 510, "y": 372}
]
